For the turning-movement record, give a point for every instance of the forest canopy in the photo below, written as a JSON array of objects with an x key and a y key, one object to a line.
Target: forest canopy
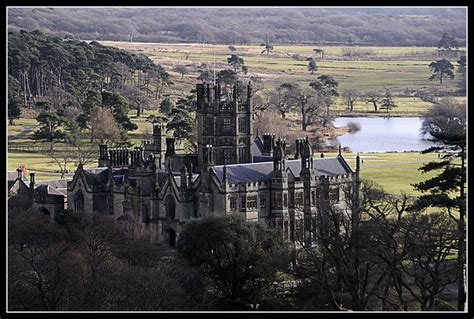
[{"x": 361, "y": 26}]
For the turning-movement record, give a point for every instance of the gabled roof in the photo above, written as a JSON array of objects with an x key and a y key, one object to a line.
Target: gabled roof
[
  {"x": 263, "y": 171},
  {"x": 96, "y": 176}
]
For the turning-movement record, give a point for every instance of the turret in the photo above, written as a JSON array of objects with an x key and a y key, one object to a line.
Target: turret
[
  {"x": 279, "y": 156},
  {"x": 307, "y": 155},
  {"x": 208, "y": 156},
  {"x": 268, "y": 144},
  {"x": 103, "y": 156}
]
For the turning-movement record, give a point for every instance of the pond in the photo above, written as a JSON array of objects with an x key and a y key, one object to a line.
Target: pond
[{"x": 382, "y": 134}]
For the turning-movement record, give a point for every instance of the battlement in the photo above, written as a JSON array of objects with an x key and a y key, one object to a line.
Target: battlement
[{"x": 217, "y": 99}]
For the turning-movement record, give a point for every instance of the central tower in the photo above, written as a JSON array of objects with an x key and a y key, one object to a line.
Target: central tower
[{"x": 224, "y": 120}]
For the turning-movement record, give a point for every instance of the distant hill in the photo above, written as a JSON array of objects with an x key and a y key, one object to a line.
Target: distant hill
[{"x": 363, "y": 26}]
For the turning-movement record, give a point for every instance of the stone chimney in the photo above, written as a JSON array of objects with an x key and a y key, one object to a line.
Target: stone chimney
[{"x": 32, "y": 181}]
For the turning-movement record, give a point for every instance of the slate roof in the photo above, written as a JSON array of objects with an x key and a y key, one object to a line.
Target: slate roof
[
  {"x": 44, "y": 188},
  {"x": 257, "y": 147},
  {"x": 96, "y": 176},
  {"x": 177, "y": 178},
  {"x": 263, "y": 171},
  {"x": 59, "y": 183}
]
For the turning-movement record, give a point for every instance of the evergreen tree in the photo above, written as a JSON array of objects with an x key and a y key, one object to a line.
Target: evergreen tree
[
  {"x": 445, "y": 124},
  {"x": 50, "y": 130},
  {"x": 441, "y": 69},
  {"x": 120, "y": 109},
  {"x": 14, "y": 111},
  {"x": 166, "y": 105},
  {"x": 312, "y": 66},
  {"x": 387, "y": 102}
]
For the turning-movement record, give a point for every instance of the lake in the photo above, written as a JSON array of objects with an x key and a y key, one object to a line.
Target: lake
[{"x": 382, "y": 134}]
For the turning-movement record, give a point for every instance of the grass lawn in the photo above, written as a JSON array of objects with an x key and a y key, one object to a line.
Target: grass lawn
[{"x": 393, "y": 171}]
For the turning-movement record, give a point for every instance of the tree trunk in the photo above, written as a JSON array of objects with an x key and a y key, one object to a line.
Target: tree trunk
[{"x": 375, "y": 106}]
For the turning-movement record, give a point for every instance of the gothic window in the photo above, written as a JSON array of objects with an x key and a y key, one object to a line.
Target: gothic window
[
  {"x": 285, "y": 225},
  {"x": 170, "y": 207},
  {"x": 277, "y": 200},
  {"x": 243, "y": 125},
  {"x": 79, "y": 202},
  {"x": 313, "y": 195},
  {"x": 334, "y": 194},
  {"x": 227, "y": 155},
  {"x": 209, "y": 126},
  {"x": 226, "y": 126},
  {"x": 299, "y": 199},
  {"x": 263, "y": 202},
  {"x": 233, "y": 203},
  {"x": 285, "y": 200},
  {"x": 252, "y": 202},
  {"x": 243, "y": 155}
]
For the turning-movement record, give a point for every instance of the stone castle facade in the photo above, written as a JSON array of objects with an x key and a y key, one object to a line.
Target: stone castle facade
[{"x": 161, "y": 188}]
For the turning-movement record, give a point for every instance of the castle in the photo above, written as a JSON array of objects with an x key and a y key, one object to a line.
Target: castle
[{"x": 159, "y": 186}]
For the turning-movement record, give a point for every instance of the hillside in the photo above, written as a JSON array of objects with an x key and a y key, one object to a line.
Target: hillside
[{"x": 362, "y": 26}]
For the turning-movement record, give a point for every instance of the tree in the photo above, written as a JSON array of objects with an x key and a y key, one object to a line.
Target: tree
[
  {"x": 320, "y": 52},
  {"x": 181, "y": 69},
  {"x": 268, "y": 47},
  {"x": 283, "y": 98},
  {"x": 387, "y": 102},
  {"x": 181, "y": 122},
  {"x": 240, "y": 259},
  {"x": 119, "y": 108},
  {"x": 104, "y": 127},
  {"x": 166, "y": 106},
  {"x": 326, "y": 88},
  {"x": 136, "y": 97},
  {"x": 445, "y": 124},
  {"x": 372, "y": 97},
  {"x": 204, "y": 73},
  {"x": 92, "y": 99},
  {"x": 447, "y": 43},
  {"x": 14, "y": 111},
  {"x": 236, "y": 62},
  {"x": 462, "y": 64},
  {"x": 50, "y": 130},
  {"x": 312, "y": 66},
  {"x": 232, "y": 48},
  {"x": 351, "y": 96},
  {"x": 344, "y": 260},
  {"x": 227, "y": 77},
  {"x": 441, "y": 69}
]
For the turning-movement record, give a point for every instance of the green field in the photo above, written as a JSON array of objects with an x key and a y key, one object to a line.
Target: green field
[{"x": 400, "y": 69}]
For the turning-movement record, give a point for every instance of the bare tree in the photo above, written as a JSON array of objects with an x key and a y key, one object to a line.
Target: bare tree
[
  {"x": 351, "y": 96},
  {"x": 372, "y": 97},
  {"x": 104, "y": 126}
]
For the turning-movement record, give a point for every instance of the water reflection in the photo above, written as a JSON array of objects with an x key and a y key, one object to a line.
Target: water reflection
[{"x": 382, "y": 134}]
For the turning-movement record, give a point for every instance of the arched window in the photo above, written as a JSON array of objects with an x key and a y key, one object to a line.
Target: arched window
[
  {"x": 44, "y": 211},
  {"x": 79, "y": 202},
  {"x": 170, "y": 207},
  {"x": 172, "y": 237}
]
